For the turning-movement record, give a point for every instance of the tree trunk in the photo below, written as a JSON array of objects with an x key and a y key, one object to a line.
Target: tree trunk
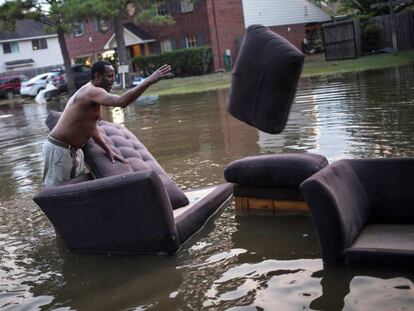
[
  {"x": 120, "y": 45},
  {"x": 66, "y": 60}
]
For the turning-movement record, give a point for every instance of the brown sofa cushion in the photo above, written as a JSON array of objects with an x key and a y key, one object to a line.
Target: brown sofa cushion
[
  {"x": 123, "y": 142},
  {"x": 264, "y": 80}
]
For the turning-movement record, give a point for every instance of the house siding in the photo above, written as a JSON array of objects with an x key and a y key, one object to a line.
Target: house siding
[
  {"x": 281, "y": 12},
  {"x": 294, "y": 33},
  {"x": 42, "y": 58}
]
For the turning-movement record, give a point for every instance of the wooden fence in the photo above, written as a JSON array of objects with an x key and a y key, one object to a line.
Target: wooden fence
[
  {"x": 343, "y": 38},
  {"x": 340, "y": 39},
  {"x": 404, "y": 24}
]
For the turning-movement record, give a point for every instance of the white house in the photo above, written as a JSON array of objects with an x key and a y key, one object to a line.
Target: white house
[
  {"x": 30, "y": 46},
  {"x": 281, "y": 12},
  {"x": 293, "y": 19}
]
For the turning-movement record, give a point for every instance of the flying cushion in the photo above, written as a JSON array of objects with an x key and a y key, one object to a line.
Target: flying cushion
[
  {"x": 123, "y": 142},
  {"x": 264, "y": 80}
]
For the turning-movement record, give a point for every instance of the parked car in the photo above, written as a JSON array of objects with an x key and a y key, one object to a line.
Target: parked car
[
  {"x": 137, "y": 80},
  {"x": 10, "y": 85},
  {"x": 81, "y": 75},
  {"x": 34, "y": 85}
]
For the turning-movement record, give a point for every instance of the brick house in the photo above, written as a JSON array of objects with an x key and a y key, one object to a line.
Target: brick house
[{"x": 217, "y": 23}]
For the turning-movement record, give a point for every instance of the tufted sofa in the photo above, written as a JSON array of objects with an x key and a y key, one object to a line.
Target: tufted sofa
[{"x": 126, "y": 208}]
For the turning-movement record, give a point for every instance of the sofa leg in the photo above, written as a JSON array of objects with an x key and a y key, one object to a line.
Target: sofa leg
[{"x": 257, "y": 206}]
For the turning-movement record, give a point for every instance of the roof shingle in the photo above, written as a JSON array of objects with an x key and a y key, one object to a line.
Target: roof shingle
[{"x": 25, "y": 28}]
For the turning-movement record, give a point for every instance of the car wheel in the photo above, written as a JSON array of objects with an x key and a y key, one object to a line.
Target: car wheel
[
  {"x": 38, "y": 91},
  {"x": 9, "y": 94}
]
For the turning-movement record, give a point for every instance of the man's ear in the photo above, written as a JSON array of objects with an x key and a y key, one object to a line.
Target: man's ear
[{"x": 98, "y": 76}]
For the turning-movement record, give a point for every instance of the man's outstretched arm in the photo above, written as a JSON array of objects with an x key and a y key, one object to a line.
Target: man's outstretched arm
[{"x": 105, "y": 99}]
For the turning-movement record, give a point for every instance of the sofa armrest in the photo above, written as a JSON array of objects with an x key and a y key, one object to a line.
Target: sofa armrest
[
  {"x": 339, "y": 207},
  {"x": 128, "y": 213}
]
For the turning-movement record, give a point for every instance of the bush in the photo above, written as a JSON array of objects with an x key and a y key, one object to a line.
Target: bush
[
  {"x": 371, "y": 36},
  {"x": 184, "y": 62}
]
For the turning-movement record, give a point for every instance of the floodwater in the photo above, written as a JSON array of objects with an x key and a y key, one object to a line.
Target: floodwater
[{"x": 234, "y": 263}]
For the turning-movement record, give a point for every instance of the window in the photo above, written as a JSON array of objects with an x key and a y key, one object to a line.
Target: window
[
  {"x": 10, "y": 47},
  {"x": 102, "y": 25},
  {"x": 187, "y": 6},
  {"x": 162, "y": 8},
  {"x": 77, "y": 29},
  {"x": 39, "y": 44},
  {"x": 166, "y": 45},
  {"x": 191, "y": 41}
]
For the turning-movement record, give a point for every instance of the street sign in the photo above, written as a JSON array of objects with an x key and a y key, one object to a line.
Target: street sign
[{"x": 123, "y": 68}]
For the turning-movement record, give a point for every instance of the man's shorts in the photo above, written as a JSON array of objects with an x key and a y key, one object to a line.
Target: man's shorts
[{"x": 61, "y": 162}]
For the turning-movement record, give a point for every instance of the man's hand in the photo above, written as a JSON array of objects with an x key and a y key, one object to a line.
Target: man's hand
[
  {"x": 158, "y": 74},
  {"x": 113, "y": 156}
]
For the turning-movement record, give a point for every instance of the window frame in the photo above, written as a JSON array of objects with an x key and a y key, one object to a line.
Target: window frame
[
  {"x": 81, "y": 28},
  {"x": 42, "y": 44},
  {"x": 186, "y": 6},
  {"x": 102, "y": 25},
  {"x": 191, "y": 41},
  {"x": 166, "y": 45},
  {"x": 162, "y": 8},
  {"x": 13, "y": 47}
]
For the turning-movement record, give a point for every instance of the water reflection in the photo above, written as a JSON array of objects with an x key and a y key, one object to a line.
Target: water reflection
[{"x": 236, "y": 263}]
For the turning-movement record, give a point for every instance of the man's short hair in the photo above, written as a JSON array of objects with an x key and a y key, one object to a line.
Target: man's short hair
[{"x": 99, "y": 67}]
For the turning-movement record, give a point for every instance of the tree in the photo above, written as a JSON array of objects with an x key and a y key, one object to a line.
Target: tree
[
  {"x": 369, "y": 8},
  {"x": 116, "y": 11},
  {"x": 52, "y": 13},
  {"x": 329, "y": 6}
]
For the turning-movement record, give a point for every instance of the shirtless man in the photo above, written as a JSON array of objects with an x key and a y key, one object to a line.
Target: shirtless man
[{"x": 63, "y": 156}]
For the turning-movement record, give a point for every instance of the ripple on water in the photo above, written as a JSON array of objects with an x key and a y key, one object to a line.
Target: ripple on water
[
  {"x": 267, "y": 285},
  {"x": 372, "y": 294}
]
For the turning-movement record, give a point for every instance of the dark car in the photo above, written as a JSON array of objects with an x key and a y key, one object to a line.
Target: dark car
[
  {"x": 10, "y": 85},
  {"x": 81, "y": 75}
]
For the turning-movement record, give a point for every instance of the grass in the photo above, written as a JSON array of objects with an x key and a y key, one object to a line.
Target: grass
[{"x": 315, "y": 65}]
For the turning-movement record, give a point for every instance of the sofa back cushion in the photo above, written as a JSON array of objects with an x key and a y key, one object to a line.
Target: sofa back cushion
[
  {"x": 123, "y": 142},
  {"x": 264, "y": 81}
]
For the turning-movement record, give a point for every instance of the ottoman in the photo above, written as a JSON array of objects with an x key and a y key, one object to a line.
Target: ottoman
[{"x": 269, "y": 184}]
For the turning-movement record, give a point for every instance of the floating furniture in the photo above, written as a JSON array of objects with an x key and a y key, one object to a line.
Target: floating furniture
[
  {"x": 363, "y": 211},
  {"x": 269, "y": 184},
  {"x": 126, "y": 208},
  {"x": 264, "y": 80}
]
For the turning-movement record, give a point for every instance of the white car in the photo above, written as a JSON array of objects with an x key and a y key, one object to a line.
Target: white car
[
  {"x": 34, "y": 85},
  {"x": 137, "y": 80}
]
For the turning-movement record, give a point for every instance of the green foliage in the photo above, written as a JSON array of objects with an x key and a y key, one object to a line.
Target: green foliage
[
  {"x": 193, "y": 61},
  {"x": 362, "y": 8},
  {"x": 371, "y": 34},
  {"x": 145, "y": 10}
]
